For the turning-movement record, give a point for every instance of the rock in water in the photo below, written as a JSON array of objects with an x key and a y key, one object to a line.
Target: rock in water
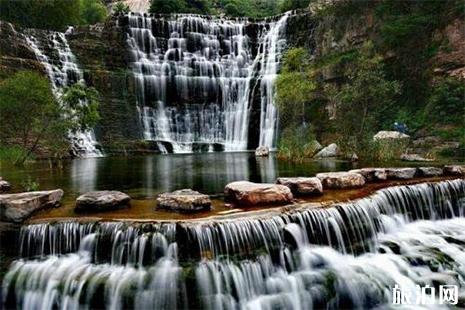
[
  {"x": 249, "y": 194},
  {"x": 302, "y": 186},
  {"x": 454, "y": 170},
  {"x": 338, "y": 180},
  {"x": 430, "y": 171},
  {"x": 262, "y": 151},
  {"x": 100, "y": 201},
  {"x": 18, "y": 207},
  {"x": 184, "y": 200},
  {"x": 390, "y": 135},
  {"x": 414, "y": 157},
  {"x": 4, "y": 186},
  {"x": 401, "y": 173},
  {"x": 371, "y": 174},
  {"x": 329, "y": 151}
]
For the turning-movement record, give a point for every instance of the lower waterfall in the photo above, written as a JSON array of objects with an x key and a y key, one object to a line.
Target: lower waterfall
[
  {"x": 350, "y": 255},
  {"x": 195, "y": 76},
  {"x": 64, "y": 71}
]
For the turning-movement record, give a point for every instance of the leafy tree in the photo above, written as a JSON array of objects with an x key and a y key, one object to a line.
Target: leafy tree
[
  {"x": 288, "y": 5},
  {"x": 92, "y": 12},
  {"x": 38, "y": 116},
  {"x": 168, "y": 6},
  {"x": 120, "y": 8}
]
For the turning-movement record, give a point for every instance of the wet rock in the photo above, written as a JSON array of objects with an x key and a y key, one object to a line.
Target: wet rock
[
  {"x": 353, "y": 157},
  {"x": 302, "y": 186},
  {"x": 454, "y": 170},
  {"x": 341, "y": 179},
  {"x": 184, "y": 200},
  {"x": 18, "y": 207},
  {"x": 390, "y": 135},
  {"x": 248, "y": 193},
  {"x": 262, "y": 151},
  {"x": 372, "y": 174},
  {"x": 429, "y": 171},
  {"x": 4, "y": 186},
  {"x": 99, "y": 201},
  {"x": 329, "y": 151},
  {"x": 401, "y": 173},
  {"x": 414, "y": 157}
]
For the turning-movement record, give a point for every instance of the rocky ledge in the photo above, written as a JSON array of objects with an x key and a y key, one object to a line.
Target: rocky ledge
[
  {"x": 184, "y": 200},
  {"x": 100, "y": 201},
  {"x": 18, "y": 207}
]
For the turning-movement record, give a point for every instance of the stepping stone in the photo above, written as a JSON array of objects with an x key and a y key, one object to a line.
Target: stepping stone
[
  {"x": 339, "y": 180},
  {"x": 430, "y": 171},
  {"x": 184, "y": 200},
  {"x": 371, "y": 174},
  {"x": 101, "y": 201},
  {"x": 401, "y": 173},
  {"x": 302, "y": 186},
  {"x": 249, "y": 194}
]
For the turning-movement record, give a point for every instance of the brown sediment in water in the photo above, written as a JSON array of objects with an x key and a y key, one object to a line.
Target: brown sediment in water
[{"x": 145, "y": 210}]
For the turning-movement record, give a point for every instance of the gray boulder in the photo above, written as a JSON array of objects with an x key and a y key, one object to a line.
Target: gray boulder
[
  {"x": 18, "y": 207},
  {"x": 456, "y": 170},
  {"x": 262, "y": 151},
  {"x": 184, "y": 200},
  {"x": 414, "y": 157},
  {"x": 302, "y": 186},
  {"x": 100, "y": 201},
  {"x": 372, "y": 174},
  {"x": 339, "y": 180},
  {"x": 430, "y": 171},
  {"x": 4, "y": 186},
  {"x": 329, "y": 151},
  {"x": 390, "y": 135},
  {"x": 401, "y": 173},
  {"x": 250, "y": 194}
]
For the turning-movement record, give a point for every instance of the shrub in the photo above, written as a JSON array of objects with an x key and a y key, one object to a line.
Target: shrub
[
  {"x": 92, "y": 12},
  {"x": 30, "y": 185},
  {"x": 120, "y": 8}
]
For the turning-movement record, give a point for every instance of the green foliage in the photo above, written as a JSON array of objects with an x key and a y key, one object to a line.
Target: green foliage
[
  {"x": 38, "y": 117},
  {"x": 180, "y": 6},
  {"x": 92, "y": 12},
  {"x": 30, "y": 185},
  {"x": 293, "y": 5},
  {"x": 297, "y": 143},
  {"x": 12, "y": 154},
  {"x": 120, "y": 8},
  {"x": 45, "y": 14}
]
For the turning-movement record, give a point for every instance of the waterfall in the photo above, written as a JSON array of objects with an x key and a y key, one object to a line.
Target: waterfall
[
  {"x": 63, "y": 71},
  {"x": 348, "y": 255},
  {"x": 193, "y": 77}
]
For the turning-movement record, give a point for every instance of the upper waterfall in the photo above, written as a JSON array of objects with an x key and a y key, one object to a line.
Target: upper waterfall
[{"x": 195, "y": 77}]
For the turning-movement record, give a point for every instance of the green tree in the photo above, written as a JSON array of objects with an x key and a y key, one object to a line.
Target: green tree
[
  {"x": 31, "y": 115},
  {"x": 288, "y": 5},
  {"x": 120, "y": 8},
  {"x": 92, "y": 12},
  {"x": 168, "y": 6}
]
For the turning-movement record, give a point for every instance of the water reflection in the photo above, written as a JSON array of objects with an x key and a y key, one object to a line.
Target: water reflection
[{"x": 84, "y": 174}]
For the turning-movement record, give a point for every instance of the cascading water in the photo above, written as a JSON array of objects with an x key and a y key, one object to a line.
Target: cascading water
[
  {"x": 346, "y": 256},
  {"x": 63, "y": 71},
  {"x": 193, "y": 77}
]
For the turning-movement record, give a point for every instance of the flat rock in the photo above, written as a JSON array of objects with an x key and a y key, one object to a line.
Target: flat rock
[
  {"x": 329, "y": 151},
  {"x": 262, "y": 151},
  {"x": 371, "y": 174},
  {"x": 401, "y": 173},
  {"x": 302, "y": 186},
  {"x": 454, "y": 170},
  {"x": 249, "y": 194},
  {"x": 99, "y": 201},
  {"x": 430, "y": 171},
  {"x": 414, "y": 157},
  {"x": 18, "y": 207},
  {"x": 338, "y": 180},
  {"x": 390, "y": 135},
  {"x": 4, "y": 186},
  {"x": 184, "y": 200}
]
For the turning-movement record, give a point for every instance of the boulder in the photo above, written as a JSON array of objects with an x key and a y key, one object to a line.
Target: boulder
[
  {"x": 390, "y": 135},
  {"x": 430, "y": 171},
  {"x": 262, "y": 151},
  {"x": 341, "y": 180},
  {"x": 18, "y": 207},
  {"x": 353, "y": 157},
  {"x": 454, "y": 170},
  {"x": 184, "y": 200},
  {"x": 249, "y": 194},
  {"x": 100, "y": 201},
  {"x": 414, "y": 157},
  {"x": 312, "y": 147},
  {"x": 302, "y": 186},
  {"x": 371, "y": 174},
  {"x": 401, "y": 173},
  {"x": 4, "y": 186},
  {"x": 329, "y": 151}
]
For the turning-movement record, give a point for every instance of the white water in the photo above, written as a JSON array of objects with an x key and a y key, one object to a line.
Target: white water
[
  {"x": 193, "y": 80},
  {"x": 405, "y": 235},
  {"x": 65, "y": 72}
]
